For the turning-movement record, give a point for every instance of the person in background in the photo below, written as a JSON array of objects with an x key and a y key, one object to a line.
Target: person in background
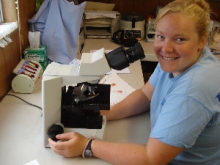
[{"x": 182, "y": 94}]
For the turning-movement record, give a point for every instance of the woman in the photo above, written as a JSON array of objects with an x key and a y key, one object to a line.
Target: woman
[{"x": 183, "y": 95}]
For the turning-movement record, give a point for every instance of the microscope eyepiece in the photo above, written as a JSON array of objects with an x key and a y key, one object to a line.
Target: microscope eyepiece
[
  {"x": 119, "y": 58},
  {"x": 135, "y": 53}
]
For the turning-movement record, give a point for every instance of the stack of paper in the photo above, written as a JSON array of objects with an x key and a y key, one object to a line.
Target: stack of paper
[{"x": 91, "y": 14}]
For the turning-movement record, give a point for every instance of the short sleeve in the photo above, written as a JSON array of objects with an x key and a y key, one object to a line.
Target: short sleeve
[{"x": 180, "y": 122}]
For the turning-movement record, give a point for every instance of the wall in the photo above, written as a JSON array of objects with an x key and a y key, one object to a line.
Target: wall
[
  {"x": 9, "y": 15},
  {"x": 11, "y": 54},
  {"x": 9, "y": 57},
  {"x": 26, "y": 11}
]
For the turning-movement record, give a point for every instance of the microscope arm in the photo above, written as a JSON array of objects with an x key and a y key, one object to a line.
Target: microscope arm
[{"x": 92, "y": 67}]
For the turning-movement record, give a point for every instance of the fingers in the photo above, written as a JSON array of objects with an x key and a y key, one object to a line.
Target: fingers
[
  {"x": 65, "y": 136},
  {"x": 71, "y": 144},
  {"x": 62, "y": 148},
  {"x": 56, "y": 147}
]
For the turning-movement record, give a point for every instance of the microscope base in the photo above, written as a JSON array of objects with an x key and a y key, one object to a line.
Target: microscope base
[{"x": 89, "y": 133}]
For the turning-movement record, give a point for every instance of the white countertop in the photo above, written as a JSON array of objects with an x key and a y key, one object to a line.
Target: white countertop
[
  {"x": 21, "y": 126},
  {"x": 21, "y": 133}
]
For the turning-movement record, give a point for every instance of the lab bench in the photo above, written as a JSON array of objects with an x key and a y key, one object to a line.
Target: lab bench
[{"x": 21, "y": 124}]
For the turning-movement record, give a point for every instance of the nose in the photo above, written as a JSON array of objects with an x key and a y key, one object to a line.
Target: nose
[{"x": 167, "y": 46}]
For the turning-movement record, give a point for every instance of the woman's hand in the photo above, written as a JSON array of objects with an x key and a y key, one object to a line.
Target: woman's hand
[{"x": 71, "y": 144}]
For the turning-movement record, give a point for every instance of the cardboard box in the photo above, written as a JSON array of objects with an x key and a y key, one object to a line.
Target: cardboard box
[
  {"x": 44, "y": 64},
  {"x": 37, "y": 54}
]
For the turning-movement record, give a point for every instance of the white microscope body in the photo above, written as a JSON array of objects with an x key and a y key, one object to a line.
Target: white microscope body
[{"x": 93, "y": 66}]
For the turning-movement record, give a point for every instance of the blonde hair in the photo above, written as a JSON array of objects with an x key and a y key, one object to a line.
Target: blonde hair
[{"x": 198, "y": 10}]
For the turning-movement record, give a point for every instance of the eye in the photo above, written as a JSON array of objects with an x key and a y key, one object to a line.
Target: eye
[
  {"x": 180, "y": 39},
  {"x": 160, "y": 37}
]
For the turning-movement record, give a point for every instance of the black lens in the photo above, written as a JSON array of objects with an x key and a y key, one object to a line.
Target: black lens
[
  {"x": 135, "y": 53},
  {"x": 119, "y": 58}
]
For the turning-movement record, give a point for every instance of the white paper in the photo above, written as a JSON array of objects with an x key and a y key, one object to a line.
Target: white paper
[
  {"x": 119, "y": 88},
  {"x": 34, "y": 162},
  {"x": 91, "y": 14},
  {"x": 75, "y": 62}
]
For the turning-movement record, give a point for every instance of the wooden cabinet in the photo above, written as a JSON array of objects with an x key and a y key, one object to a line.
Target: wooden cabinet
[{"x": 148, "y": 7}]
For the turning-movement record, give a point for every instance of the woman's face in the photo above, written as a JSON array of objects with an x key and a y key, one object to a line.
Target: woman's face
[{"x": 177, "y": 44}]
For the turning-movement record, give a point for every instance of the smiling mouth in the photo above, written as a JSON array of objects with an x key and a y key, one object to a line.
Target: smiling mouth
[{"x": 169, "y": 58}]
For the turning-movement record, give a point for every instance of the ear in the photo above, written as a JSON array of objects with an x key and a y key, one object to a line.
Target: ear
[{"x": 202, "y": 42}]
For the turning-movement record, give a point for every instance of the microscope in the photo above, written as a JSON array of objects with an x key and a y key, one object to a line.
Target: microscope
[{"x": 72, "y": 97}]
